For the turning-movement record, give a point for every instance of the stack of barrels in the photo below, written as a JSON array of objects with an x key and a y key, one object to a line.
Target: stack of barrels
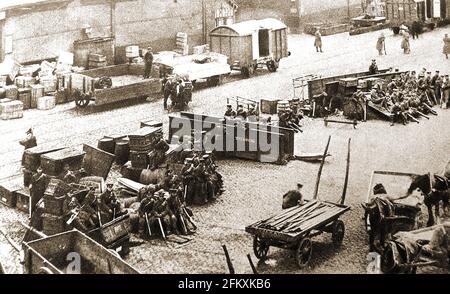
[{"x": 117, "y": 145}]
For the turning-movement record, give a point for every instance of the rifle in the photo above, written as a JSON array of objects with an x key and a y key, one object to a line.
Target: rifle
[
  {"x": 148, "y": 225},
  {"x": 423, "y": 115},
  {"x": 229, "y": 263},
  {"x": 161, "y": 228}
]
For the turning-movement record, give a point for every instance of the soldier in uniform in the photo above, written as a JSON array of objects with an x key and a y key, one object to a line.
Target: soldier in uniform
[
  {"x": 200, "y": 197},
  {"x": 373, "y": 68},
  {"x": 187, "y": 174},
  {"x": 230, "y": 112},
  {"x": 241, "y": 113},
  {"x": 293, "y": 198},
  {"x": 445, "y": 92},
  {"x": 158, "y": 156},
  {"x": 148, "y": 59},
  {"x": 39, "y": 182},
  {"x": 146, "y": 212},
  {"x": 430, "y": 88},
  {"x": 69, "y": 176},
  {"x": 252, "y": 112},
  {"x": 398, "y": 113},
  {"x": 436, "y": 84}
]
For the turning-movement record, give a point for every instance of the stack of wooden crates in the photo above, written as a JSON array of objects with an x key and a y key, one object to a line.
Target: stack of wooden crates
[
  {"x": 142, "y": 142},
  {"x": 54, "y": 197},
  {"x": 182, "y": 44},
  {"x": 97, "y": 60}
]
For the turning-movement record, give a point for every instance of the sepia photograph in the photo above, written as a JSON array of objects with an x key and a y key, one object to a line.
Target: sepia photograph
[{"x": 221, "y": 137}]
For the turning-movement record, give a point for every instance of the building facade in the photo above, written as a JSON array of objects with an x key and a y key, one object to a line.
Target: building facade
[{"x": 42, "y": 29}]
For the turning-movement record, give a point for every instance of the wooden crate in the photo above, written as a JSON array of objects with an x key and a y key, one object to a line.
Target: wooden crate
[
  {"x": 24, "y": 82},
  {"x": 349, "y": 82},
  {"x": 11, "y": 110},
  {"x": 8, "y": 189},
  {"x": 53, "y": 163},
  {"x": 12, "y": 92},
  {"x": 97, "y": 162},
  {"x": 56, "y": 188},
  {"x": 24, "y": 96},
  {"x": 269, "y": 107},
  {"x": 54, "y": 205},
  {"x": 32, "y": 156},
  {"x": 46, "y": 102},
  {"x": 37, "y": 91},
  {"x": 144, "y": 139},
  {"x": 52, "y": 225},
  {"x": 139, "y": 159},
  {"x": 23, "y": 200}
]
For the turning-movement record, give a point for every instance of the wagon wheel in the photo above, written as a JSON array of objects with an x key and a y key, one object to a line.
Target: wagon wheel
[
  {"x": 272, "y": 66},
  {"x": 260, "y": 248},
  {"x": 304, "y": 252},
  {"x": 81, "y": 99},
  {"x": 338, "y": 233}
]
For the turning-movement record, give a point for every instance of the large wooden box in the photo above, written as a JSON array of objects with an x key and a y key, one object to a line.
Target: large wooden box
[
  {"x": 97, "y": 162},
  {"x": 25, "y": 97},
  {"x": 144, "y": 139},
  {"x": 139, "y": 159},
  {"x": 32, "y": 156},
  {"x": 11, "y": 110},
  {"x": 269, "y": 107},
  {"x": 37, "y": 91},
  {"x": 53, "y": 163},
  {"x": 52, "y": 225},
  {"x": 54, "y": 205},
  {"x": 11, "y": 92},
  {"x": 8, "y": 189}
]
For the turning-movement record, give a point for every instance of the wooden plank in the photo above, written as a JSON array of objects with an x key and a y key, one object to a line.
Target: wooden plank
[{"x": 110, "y": 71}]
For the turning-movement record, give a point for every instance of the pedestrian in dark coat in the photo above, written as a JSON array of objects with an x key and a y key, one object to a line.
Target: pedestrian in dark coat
[
  {"x": 148, "y": 59},
  {"x": 381, "y": 45},
  {"x": 318, "y": 41}
]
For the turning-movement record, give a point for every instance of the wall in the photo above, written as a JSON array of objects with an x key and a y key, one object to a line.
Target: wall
[{"x": 43, "y": 34}]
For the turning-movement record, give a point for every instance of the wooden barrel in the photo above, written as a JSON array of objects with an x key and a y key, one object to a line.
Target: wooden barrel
[
  {"x": 122, "y": 151},
  {"x": 283, "y": 105},
  {"x": 107, "y": 145},
  {"x": 152, "y": 176}
]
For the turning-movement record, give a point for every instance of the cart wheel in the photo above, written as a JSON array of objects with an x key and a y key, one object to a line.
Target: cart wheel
[
  {"x": 304, "y": 252},
  {"x": 45, "y": 271},
  {"x": 260, "y": 248},
  {"x": 81, "y": 100},
  {"x": 272, "y": 66},
  {"x": 338, "y": 233}
]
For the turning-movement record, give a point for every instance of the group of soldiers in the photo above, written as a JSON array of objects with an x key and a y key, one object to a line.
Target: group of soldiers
[
  {"x": 291, "y": 117},
  {"x": 92, "y": 211},
  {"x": 163, "y": 213},
  {"x": 163, "y": 207},
  {"x": 241, "y": 113},
  {"x": 410, "y": 95}
]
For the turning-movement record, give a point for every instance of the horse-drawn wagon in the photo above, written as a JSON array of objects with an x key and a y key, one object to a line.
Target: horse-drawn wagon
[
  {"x": 108, "y": 85},
  {"x": 55, "y": 254}
]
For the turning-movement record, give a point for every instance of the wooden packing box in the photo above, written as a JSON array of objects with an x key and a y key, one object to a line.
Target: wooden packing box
[
  {"x": 139, "y": 159},
  {"x": 46, "y": 102},
  {"x": 97, "y": 162},
  {"x": 54, "y": 205},
  {"x": 24, "y": 82},
  {"x": 52, "y": 225},
  {"x": 49, "y": 84},
  {"x": 24, "y": 96},
  {"x": 144, "y": 139},
  {"x": 23, "y": 200},
  {"x": 8, "y": 189},
  {"x": 53, "y": 163},
  {"x": 56, "y": 188},
  {"x": 11, "y": 110},
  {"x": 95, "y": 64},
  {"x": 12, "y": 92},
  {"x": 37, "y": 91},
  {"x": 97, "y": 58},
  {"x": 32, "y": 156}
]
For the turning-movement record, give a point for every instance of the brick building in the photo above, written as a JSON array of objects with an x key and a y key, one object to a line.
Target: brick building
[{"x": 39, "y": 29}]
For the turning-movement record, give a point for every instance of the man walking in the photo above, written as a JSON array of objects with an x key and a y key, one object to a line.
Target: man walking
[
  {"x": 381, "y": 45},
  {"x": 148, "y": 59},
  {"x": 446, "y": 49},
  {"x": 405, "y": 43},
  {"x": 318, "y": 41}
]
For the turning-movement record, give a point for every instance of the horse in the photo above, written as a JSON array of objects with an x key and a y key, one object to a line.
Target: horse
[
  {"x": 436, "y": 190},
  {"x": 179, "y": 92}
]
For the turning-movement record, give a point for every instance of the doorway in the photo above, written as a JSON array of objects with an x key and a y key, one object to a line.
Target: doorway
[{"x": 264, "y": 45}]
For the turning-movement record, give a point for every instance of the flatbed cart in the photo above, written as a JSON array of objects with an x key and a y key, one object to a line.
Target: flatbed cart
[
  {"x": 108, "y": 85},
  {"x": 293, "y": 228},
  {"x": 51, "y": 255}
]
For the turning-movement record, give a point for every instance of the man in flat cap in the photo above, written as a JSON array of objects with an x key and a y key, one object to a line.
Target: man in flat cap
[
  {"x": 373, "y": 69},
  {"x": 230, "y": 112}
]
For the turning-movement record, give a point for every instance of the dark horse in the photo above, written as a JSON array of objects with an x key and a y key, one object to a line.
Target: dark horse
[
  {"x": 436, "y": 190},
  {"x": 179, "y": 91}
]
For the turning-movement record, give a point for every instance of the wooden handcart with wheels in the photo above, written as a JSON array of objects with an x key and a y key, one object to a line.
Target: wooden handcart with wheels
[{"x": 294, "y": 228}]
